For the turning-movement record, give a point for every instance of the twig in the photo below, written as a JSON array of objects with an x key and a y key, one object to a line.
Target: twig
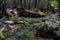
[{"x": 2, "y": 28}]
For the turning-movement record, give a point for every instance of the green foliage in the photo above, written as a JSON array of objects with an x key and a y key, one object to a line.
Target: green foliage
[
  {"x": 2, "y": 35},
  {"x": 53, "y": 3},
  {"x": 11, "y": 32},
  {"x": 28, "y": 34},
  {"x": 14, "y": 18}
]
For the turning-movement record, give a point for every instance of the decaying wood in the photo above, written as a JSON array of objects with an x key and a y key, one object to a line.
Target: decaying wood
[{"x": 28, "y": 13}]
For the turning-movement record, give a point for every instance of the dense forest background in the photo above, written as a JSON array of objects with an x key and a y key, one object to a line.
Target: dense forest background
[
  {"x": 29, "y": 4},
  {"x": 42, "y": 5}
]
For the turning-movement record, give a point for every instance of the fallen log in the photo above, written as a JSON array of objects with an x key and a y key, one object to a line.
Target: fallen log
[{"x": 28, "y": 13}]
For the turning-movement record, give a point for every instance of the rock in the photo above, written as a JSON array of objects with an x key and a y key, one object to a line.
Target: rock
[
  {"x": 47, "y": 17},
  {"x": 0, "y": 23},
  {"x": 9, "y": 22},
  {"x": 13, "y": 26},
  {"x": 52, "y": 24}
]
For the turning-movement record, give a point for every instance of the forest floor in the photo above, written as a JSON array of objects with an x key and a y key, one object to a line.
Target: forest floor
[{"x": 24, "y": 28}]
